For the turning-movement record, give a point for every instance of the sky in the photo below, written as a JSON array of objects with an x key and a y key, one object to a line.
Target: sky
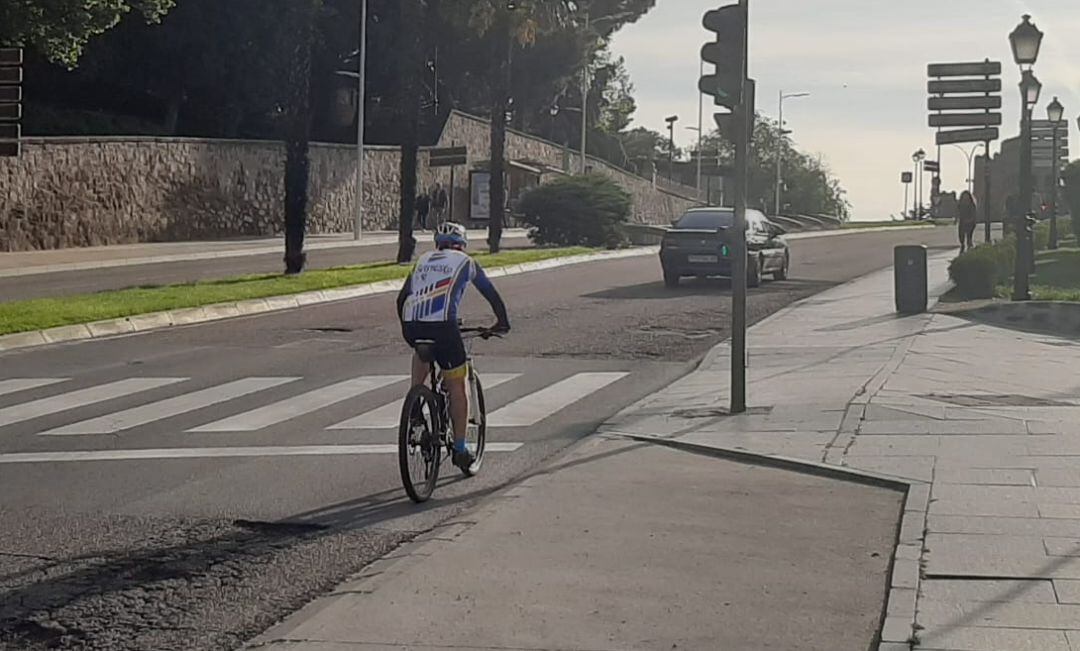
[{"x": 864, "y": 63}]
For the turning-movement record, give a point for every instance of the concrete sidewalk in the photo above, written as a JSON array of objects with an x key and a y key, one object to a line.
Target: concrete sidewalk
[
  {"x": 25, "y": 263},
  {"x": 982, "y": 422},
  {"x": 625, "y": 545}
]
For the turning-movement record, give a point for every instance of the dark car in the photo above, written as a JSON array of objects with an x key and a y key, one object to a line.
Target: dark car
[{"x": 697, "y": 245}]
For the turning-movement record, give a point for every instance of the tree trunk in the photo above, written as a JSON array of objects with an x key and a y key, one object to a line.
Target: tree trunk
[
  {"x": 409, "y": 89},
  {"x": 297, "y": 162},
  {"x": 500, "y": 92}
]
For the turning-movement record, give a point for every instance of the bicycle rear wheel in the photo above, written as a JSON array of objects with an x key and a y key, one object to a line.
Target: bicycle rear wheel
[
  {"x": 420, "y": 443},
  {"x": 477, "y": 431}
]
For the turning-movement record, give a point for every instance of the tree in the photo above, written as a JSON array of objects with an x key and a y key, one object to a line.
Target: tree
[
  {"x": 298, "y": 111},
  {"x": 60, "y": 29},
  {"x": 409, "y": 65},
  {"x": 1072, "y": 194},
  {"x": 810, "y": 187}
]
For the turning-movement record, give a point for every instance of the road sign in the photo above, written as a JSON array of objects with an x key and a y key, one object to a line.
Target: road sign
[
  {"x": 943, "y": 87},
  {"x": 9, "y": 148},
  {"x": 448, "y": 157},
  {"x": 978, "y": 69},
  {"x": 962, "y": 103},
  {"x": 10, "y": 112},
  {"x": 906, "y": 177},
  {"x": 11, "y": 56},
  {"x": 10, "y": 76},
  {"x": 931, "y": 166},
  {"x": 967, "y": 135},
  {"x": 10, "y": 131},
  {"x": 966, "y": 120},
  {"x": 10, "y": 94}
]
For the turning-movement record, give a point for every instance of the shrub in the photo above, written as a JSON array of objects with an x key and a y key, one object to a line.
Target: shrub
[
  {"x": 577, "y": 211},
  {"x": 979, "y": 271}
]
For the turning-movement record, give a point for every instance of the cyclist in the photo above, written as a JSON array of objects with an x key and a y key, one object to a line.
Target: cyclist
[{"x": 428, "y": 308}]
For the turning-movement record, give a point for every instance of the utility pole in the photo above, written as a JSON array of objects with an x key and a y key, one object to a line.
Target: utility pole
[{"x": 671, "y": 120}]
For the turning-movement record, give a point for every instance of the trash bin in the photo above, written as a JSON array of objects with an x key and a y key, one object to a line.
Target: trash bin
[{"x": 909, "y": 268}]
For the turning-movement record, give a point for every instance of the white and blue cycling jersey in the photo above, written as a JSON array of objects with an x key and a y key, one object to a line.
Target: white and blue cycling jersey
[{"x": 434, "y": 290}]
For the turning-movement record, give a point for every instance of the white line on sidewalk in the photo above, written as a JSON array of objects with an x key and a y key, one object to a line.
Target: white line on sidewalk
[
  {"x": 170, "y": 407},
  {"x": 296, "y": 406},
  {"x": 535, "y": 407},
  {"x": 215, "y": 453},
  {"x": 388, "y": 415},
  {"x": 81, "y": 398},
  {"x": 23, "y": 384}
]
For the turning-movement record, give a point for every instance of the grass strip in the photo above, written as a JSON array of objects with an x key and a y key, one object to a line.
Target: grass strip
[{"x": 43, "y": 313}]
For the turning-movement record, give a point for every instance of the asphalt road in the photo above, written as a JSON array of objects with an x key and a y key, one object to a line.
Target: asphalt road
[
  {"x": 212, "y": 542},
  {"x": 85, "y": 281}
]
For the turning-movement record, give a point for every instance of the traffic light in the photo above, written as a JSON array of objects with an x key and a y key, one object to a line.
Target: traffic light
[
  {"x": 11, "y": 76},
  {"x": 727, "y": 53}
]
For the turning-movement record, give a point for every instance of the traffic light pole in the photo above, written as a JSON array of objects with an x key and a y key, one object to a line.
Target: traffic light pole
[{"x": 739, "y": 257}]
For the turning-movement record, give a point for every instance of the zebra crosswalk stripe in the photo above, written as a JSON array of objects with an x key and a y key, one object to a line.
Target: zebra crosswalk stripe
[
  {"x": 170, "y": 407},
  {"x": 388, "y": 415},
  {"x": 23, "y": 384},
  {"x": 305, "y": 403},
  {"x": 81, "y": 398},
  {"x": 217, "y": 453},
  {"x": 537, "y": 406}
]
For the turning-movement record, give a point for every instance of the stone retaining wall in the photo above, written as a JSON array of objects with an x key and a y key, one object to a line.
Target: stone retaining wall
[{"x": 69, "y": 192}]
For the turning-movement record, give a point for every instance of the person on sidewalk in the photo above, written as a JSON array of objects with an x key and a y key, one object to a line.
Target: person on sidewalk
[
  {"x": 439, "y": 202},
  {"x": 423, "y": 209},
  {"x": 966, "y": 220}
]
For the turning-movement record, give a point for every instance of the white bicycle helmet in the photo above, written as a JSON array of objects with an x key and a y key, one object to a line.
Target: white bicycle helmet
[{"x": 451, "y": 234}]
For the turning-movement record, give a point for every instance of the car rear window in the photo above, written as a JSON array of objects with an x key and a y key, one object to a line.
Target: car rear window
[{"x": 706, "y": 219}]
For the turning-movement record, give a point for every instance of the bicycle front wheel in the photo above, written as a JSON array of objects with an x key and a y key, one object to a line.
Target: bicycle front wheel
[
  {"x": 419, "y": 443},
  {"x": 476, "y": 436}
]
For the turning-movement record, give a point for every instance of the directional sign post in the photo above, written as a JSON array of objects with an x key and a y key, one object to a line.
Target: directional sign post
[
  {"x": 965, "y": 104},
  {"x": 11, "y": 77}
]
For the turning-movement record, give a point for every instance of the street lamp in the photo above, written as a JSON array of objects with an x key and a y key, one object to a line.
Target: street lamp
[
  {"x": 780, "y": 145},
  {"x": 918, "y": 157},
  {"x": 1055, "y": 111},
  {"x": 671, "y": 120},
  {"x": 361, "y": 100},
  {"x": 1025, "y": 40},
  {"x": 970, "y": 155}
]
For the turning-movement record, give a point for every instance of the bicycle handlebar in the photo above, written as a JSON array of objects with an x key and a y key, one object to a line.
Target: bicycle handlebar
[{"x": 483, "y": 333}]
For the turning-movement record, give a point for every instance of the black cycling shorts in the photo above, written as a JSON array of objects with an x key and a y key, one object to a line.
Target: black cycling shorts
[{"x": 449, "y": 348}]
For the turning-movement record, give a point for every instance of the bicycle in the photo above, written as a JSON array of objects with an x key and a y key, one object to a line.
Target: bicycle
[{"x": 426, "y": 430}]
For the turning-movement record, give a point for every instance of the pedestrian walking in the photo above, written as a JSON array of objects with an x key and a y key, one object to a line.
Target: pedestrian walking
[
  {"x": 966, "y": 220},
  {"x": 423, "y": 209},
  {"x": 439, "y": 201}
]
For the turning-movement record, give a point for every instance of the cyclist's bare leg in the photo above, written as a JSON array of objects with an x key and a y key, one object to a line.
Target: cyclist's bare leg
[
  {"x": 459, "y": 406},
  {"x": 420, "y": 370}
]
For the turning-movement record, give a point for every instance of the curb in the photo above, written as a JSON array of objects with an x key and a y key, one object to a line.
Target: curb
[
  {"x": 898, "y": 624},
  {"x": 219, "y": 311}
]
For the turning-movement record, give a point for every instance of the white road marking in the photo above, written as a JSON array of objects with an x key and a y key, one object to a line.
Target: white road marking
[
  {"x": 389, "y": 414},
  {"x": 217, "y": 453},
  {"x": 535, "y": 407},
  {"x": 81, "y": 398},
  {"x": 170, "y": 407},
  {"x": 299, "y": 405},
  {"x": 23, "y": 384}
]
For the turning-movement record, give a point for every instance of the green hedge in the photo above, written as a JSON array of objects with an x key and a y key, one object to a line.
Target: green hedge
[
  {"x": 1072, "y": 194},
  {"x": 577, "y": 211},
  {"x": 979, "y": 271}
]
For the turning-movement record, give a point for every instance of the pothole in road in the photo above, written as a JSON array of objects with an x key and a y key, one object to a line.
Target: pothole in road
[{"x": 707, "y": 333}]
